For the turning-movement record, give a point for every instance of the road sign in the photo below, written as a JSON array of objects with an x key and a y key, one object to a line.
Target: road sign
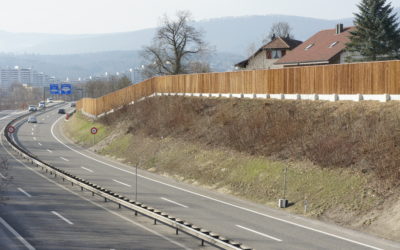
[
  {"x": 66, "y": 89},
  {"x": 10, "y": 129},
  {"x": 93, "y": 130},
  {"x": 54, "y": 89}
]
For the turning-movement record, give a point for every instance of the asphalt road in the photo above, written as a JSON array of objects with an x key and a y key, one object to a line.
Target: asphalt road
[
  {"x": 252, "y": 224},
  {"x": 42, "y": 212}
]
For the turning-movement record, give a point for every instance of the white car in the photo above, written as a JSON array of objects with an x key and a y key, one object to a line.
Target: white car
[
  {"x": 32, "y": 119},
  {"x": 32, "y": 108},
  {"x": 49, "y": 100},
  {"x": 42, "y": 105}
]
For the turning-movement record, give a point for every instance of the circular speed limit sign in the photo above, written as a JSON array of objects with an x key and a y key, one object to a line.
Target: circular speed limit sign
[
  {"x": 10, "y": 129},
  {"x": 93, "y": 130}
]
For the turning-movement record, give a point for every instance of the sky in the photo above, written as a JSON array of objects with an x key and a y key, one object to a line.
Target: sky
[{"x": 107, "y": 16}]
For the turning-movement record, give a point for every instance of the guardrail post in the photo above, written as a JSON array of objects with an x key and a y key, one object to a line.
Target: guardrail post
[
  {"x": 105, "y": 199},
  {"x": 155, "y": 221}
]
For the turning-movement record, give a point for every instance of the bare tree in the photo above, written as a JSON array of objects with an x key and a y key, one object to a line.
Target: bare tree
[
  {"x": 100, "y": 87},
  {"x": 174, "y": 46},
  {"x": 251, "y": 49},
  {"x": 281, "y": 29}
]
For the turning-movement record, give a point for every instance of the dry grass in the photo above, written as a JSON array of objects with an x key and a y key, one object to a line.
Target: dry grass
[
  {"x": 4, "y": 181},
  {"x": 363, "y": 136}
]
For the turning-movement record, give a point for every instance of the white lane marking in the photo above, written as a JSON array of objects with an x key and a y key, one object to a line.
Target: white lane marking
[
  {"x": 262, "y": 234},
  {"x": 16, "y": 234},
  {"x": 176, "y": 203},
  {"x": 62, "y": 158},
  {"x": 122, "y": 183},
  {"x": 62, "y": 217},
  {"x": 40, "y": 144},
  {"x": 34, "y": 138},
  {"x": 3, "y": 177},
  {"x": 33, "y": 133},
  {"x": 89, "y": 170},
  {"x": 93, "y": 203},
  {"x": 24, "y": 192},
  {"x": 47, "y": 116},
  {"x": 48, "y": 150},
  {"x": 214, "y": 199},
  {"x": 33, "y": 129},
  {"x": 43, "y": 119}
]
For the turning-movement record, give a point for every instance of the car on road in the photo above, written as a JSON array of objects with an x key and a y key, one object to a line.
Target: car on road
[
  {"x": 32, "y": 108},
  {"x": 32, "y": 119},
  {"x": 42, "y": 105},
  {"x": 73, "y": 104},
  {"x": 49, "y": 100},
  {"x": 61, "y": 111}
]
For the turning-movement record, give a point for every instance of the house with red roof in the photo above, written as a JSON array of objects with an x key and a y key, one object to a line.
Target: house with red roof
[
  {"x": 267, "y": 55},
  {"x": 325, "y": 47}
]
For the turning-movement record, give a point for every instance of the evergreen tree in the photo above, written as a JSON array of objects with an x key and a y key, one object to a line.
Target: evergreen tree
[{"x": 377, "y": 33}]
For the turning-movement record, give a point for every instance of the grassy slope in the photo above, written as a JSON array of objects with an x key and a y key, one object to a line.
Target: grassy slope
[{"x": 347, "y": 195}]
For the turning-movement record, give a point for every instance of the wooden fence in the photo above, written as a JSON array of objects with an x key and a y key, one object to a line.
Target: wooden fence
[{"x": 357, "y": 78}]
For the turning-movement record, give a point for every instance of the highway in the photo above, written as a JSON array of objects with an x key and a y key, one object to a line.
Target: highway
[
  {"x": 254, "y": 225},
  {"x": 44, "y": 213}
]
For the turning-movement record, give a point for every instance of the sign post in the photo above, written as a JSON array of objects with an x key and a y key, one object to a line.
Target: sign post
[
  {"x": 11, "y": 129},
  {"x": 54, "y": 89},
  {"x": 66, "y": 89},
  {"x": 94, "y": 132}
]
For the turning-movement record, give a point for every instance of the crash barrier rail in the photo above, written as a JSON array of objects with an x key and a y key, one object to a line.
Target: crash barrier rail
[
  {"x": 204, "y": 235},
  {"x": 368, "y": 78}
]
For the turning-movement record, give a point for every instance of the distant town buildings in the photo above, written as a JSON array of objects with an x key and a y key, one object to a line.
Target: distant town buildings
[
  {"x": 135, "y": 75},
  {"x": 25, "y": 76}
]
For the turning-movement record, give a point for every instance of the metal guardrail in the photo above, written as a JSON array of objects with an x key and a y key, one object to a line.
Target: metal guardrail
[{"x": 204, "y": 235}]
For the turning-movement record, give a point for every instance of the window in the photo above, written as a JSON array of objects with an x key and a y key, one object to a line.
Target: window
[
  {"x": 333, "y": 44},
  {"x": 309, "y": 46},
  {"x": 276, "y": 54}
]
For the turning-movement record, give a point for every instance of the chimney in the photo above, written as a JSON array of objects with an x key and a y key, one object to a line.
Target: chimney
[{"x": 339, "y": 28}]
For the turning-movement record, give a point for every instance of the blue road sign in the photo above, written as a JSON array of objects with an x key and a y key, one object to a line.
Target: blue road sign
[
  {"x": 66, "y": 89},
  {"x": 54, "y": 89}
]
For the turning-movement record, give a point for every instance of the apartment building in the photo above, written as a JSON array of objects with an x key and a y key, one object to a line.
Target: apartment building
[{"x": 26, "y": 76}]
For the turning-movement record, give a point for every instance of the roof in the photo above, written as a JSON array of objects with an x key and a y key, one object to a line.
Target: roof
[
  {"x": 282, "y": 43},
  {"x": 277, "y": 43},
  {"x": 321, "y": 47}
]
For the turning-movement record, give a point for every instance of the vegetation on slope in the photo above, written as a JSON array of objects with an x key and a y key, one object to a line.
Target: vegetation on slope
[{"x": 341, "y": 157}]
